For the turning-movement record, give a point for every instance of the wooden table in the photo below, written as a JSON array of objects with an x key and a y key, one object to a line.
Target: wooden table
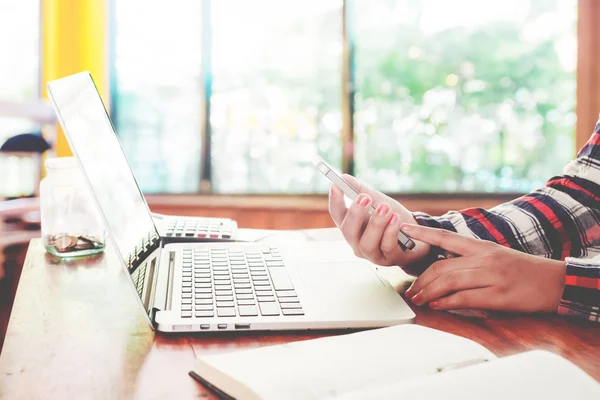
[{"x": 76, "y": 332}]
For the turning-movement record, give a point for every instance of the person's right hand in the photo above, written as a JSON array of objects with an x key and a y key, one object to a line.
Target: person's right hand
[{"x": 375, "y": 237}]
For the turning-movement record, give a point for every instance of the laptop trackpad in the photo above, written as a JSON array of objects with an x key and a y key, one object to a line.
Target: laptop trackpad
[{"x": 346, "y": 288}]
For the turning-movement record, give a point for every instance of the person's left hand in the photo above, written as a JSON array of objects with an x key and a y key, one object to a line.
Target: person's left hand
[{"x": 486, "y": 276}]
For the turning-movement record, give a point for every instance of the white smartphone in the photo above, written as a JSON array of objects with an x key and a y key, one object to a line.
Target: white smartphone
[{"x": 404, "y": 241}]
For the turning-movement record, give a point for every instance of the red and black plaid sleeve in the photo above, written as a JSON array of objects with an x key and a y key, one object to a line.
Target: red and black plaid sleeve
[{"x": 559, "y": 221}]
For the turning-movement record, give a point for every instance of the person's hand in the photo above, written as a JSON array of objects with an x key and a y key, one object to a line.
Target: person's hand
[
  {"x": 375, "y": 237},
  {"x": 486, "y": 276}
]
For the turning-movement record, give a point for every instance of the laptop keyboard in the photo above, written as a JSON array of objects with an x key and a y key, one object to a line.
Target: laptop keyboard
[
  {"x": 205, "y": 228},
  {"x": 228, "y": 282},
  {"x": 138, "y": 277}
]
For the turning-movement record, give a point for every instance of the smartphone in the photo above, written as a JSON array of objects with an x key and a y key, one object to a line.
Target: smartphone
[{"x": 404, "y": 241}]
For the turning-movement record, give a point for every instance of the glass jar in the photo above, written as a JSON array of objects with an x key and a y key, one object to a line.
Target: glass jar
[{"x": 71, "y": 223}]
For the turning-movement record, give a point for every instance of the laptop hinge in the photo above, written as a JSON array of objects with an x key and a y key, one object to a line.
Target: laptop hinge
[{"x": 163, "y": 288}]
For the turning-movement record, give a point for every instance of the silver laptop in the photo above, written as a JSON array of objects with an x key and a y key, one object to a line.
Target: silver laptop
[
  {"x": 170, "y": 228},
  {"x": 226, "y": 286}
]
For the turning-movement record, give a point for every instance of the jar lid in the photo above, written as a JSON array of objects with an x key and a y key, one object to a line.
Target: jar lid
[{"x": 61, "y": 163}]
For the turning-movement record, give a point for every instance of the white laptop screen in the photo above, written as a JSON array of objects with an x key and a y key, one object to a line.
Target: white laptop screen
[{"x": 93, "y": 140}]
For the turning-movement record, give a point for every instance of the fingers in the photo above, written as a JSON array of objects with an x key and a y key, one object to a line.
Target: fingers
[
  {"x": 447, "y": 240},
  {"x": 473, "y": 298},
  {"x": 337, "y": 207},
  {"x": 370, "y": 242},
  {"x": 452, "y": 282},
  {"x": 389, "y": 242},
  {"x": 436, "y": 270},
  {"x": 353, "y": 224}
]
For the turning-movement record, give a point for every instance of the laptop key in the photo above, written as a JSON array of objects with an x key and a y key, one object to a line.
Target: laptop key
[
  {"x": 246, "y": 302},
  {"x": 205, "y": 313},
  {"x": 203, "y": 301},
  {"x": 263, "y": 288},
  {"x": 224, "y": 298},
  {"x": 289, "y": 300},
  {"x": 226, "y": 312},
  {"x": 186, "y": 295},
  {"x": 285, "y": 306},
  {"x": 269, "y": 309},
  {"x": 262, "y": 283},
  {"x": 248, "y": 311},
  {"x": 186, "y": 301},
  {"x": 186, "y": 307},
  {"x": 220, "y": 292},
  {"x": 260, "y": 278},
  {"x": 281, "y": 279},
  {"x": 203, "y": 295},
  {"x": 244, "y": 296},
  {"x": 186, "y": 314},
  {"x": 294, "y": 311},
  {"x": 243, "y": 291},
  {"x": 204, "y": 307},
  {"x": 264, "y": 293},
  {"x": 286, "y": 293},
  {"x": 266, "y": 299},
  {"x": 242, "y": 285},
  {"x": 221, "y": 304}
]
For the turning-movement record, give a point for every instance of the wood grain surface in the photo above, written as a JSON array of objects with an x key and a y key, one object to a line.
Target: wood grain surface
[{"x": 76, "y": 332}]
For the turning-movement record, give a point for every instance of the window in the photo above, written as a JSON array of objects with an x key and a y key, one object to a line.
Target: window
[
  {"x": 276, "y": 93},
  {"x": 19, "y": 69},
  {"x": 157, "y": 91},
  {"x": 461, "y": 96},
  {"x": 464, "y": 95}
]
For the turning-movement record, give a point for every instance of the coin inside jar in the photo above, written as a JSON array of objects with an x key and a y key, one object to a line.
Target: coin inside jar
[
  {"x": 65, "y": 243},
  {"x": 84, "y": 243}
]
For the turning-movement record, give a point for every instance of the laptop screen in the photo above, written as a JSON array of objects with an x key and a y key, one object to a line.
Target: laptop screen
[{"x": 93, "y": 140}]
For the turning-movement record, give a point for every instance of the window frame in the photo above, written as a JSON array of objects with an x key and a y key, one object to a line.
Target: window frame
[{"x": 587, "y": 100}]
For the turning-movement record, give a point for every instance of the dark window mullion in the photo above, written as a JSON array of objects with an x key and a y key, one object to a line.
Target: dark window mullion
[
  {"x": 348, "y": 69},
  {"x": 206, "y": 76}
]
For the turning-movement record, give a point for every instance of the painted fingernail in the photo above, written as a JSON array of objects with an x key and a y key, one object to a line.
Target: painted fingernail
[
  {"x": 363, "y": 200},
  {"x": 434, "y": 304},
  {"x": 382, "y": 209},
  {"x": 417, "y": 299},
  {"x": 394, "y": 218}
]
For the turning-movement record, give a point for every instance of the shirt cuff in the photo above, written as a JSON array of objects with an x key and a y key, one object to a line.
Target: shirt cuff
[{"x": 581, "y": 297}]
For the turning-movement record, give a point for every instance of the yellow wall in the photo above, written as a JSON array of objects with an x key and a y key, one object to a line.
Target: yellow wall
[{"x": 74, "y": 39}]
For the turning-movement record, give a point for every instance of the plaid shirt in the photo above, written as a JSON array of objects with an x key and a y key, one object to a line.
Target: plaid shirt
[{"x": 559, "y": 221}]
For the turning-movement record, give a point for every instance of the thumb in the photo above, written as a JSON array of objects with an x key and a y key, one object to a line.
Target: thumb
[
  {"x": 337, "y": 207},
  {"x": 360, "y": 187}
]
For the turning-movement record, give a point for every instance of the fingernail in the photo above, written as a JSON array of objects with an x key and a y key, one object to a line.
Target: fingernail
[
  {"x": 394, "y": 219},
  {"x": 331, "y": 192},
  {"x": 434, "y": 304},
  {"x": 382, "y": 209},
  {"x": 405, "y": 227},
  {"x": 416, "y": 299},
  {"x": 363, "y": 200}
]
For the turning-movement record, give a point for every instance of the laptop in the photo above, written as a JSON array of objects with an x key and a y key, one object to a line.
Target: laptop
[
  {"x": 170, "y": 228},
  {"x": 226, "y": 286}
]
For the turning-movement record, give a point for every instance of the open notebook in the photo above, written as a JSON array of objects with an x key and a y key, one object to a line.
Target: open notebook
[{"x": 407, "y": 361}]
